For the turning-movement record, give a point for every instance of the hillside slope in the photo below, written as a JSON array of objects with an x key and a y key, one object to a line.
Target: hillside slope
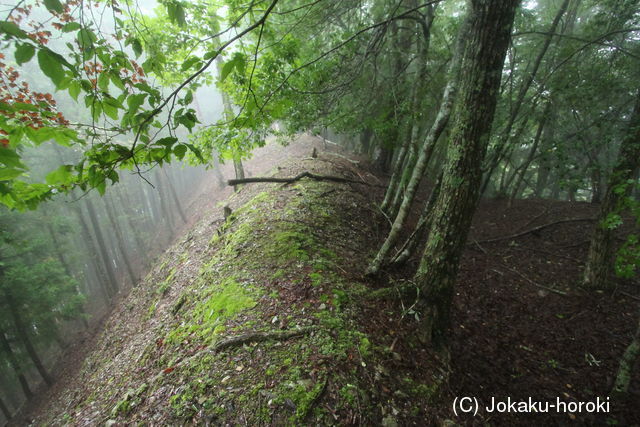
[{"x": 258, "y": 319}]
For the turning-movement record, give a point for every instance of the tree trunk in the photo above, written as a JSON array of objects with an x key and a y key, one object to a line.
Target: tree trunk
[
  {"x": 397, "y": 173},
  {"x": 102, "y": 246},
  {"x": 5, "y": 410},
  {"x": 120, "y": 241},
  {"x": 532, "y": 152},
  {"x": 23, "y": 336},
  {"x": 487, "y": 37},
  {"x": 599, "y": 261},
  {"x": 13, "y": 361},
  {"x": 94, "y": 254},
  {"x": 424, "y": 223},
  {"x": 526, "y": 84},
  {"x": 625, "y": 369},
  {"x": 428, "y": 145},
  {"x": 174, "y": 196}
]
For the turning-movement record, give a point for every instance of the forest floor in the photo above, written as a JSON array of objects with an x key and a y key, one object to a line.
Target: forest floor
[{"x": 521, "y": 326}]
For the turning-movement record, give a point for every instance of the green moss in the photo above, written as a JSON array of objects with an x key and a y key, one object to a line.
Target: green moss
[
  {"x": 221, "y": 302},
  {"x": 164, "y": 285}
]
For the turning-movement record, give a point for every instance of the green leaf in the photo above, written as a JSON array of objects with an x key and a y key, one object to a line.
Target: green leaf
[
  {"x": 188, "y": 98},
  {"x": 86, "y": 38},
  {"x": 103, "y": 82},
  {"x": 110, "y": 111},
  {"x": 238, "y": 61},
  {"x": 50, "y": 66},
  {"x": 10, "y": 158},
  {"x": 180, "y": 150},
  {"x": 167, "y": 141},
  {"x": 24, "y": 52},
  {"x": 60, "y": 176},
  {"x": 54, "y": 6},
  {"x": 9, "y": 173},
  {"x": 9, "y": 28},
  {"x": 71, "y": 26},
  {"x": 74, "y": 89},
  {"x": 189, "y": 63},
  {"x": 136, "y": 46},
  {"x": 116, "y": 80},
  {"x": 135, "y": 101},
  {"x": 96, "y": 110},
  {"x": 175, "y": 11}
]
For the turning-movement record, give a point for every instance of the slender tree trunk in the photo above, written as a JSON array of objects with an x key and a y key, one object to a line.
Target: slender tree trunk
[
  {"x": 58, "y": 249},
  {"x": 120, "y": 241},
  {"x": 397, "y": 172},
  {"x": 599, "y": 261},
  {"x": 532, "y": 152},
  {"x": 174, "y": 197},
  {"x": 102, "y": 246},
  {"x": 625, "y": 369},
  {"x": 93, "y": 252},
  {"x": 23, "y": 336},
  {"x": 424, "y": 224},
  {"x": 125, "y": 203},
  {"x": 487, "y": 37},
  {"x": 428, "y": 145},
  {"x": 5, "y": 410},
  {"x": 15, "y": 365},
  {"x": 526, "y": 84}
]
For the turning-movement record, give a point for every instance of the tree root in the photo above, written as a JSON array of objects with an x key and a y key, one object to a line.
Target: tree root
[
  {"x": 392, "y": 292},
  {"x": 299, "y": 177}
]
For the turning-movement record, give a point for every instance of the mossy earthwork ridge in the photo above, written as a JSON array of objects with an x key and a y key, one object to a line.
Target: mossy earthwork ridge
[{"x": 283, "y": 268}]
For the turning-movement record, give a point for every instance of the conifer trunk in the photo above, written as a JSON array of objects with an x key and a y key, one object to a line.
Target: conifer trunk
[
  {"x": 5, "y": 410},
  {"x": 174, "y": 197},
  {"x": 15, "y": 365},
  {"x": 102, "y": 246},
  {"x": 487, "y": 37},
  {"x": 120, "y": 241},
  {"x": 22, "y": 333}
]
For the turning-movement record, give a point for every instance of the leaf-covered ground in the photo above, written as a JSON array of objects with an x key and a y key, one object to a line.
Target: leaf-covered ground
[{"x": 283, "y": 277}]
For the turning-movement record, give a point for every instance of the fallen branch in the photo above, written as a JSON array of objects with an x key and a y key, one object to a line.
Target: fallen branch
[
  {"x": 257, "y": 337},
  {"x": 535, "y": 229},
  {"x": 299, "y": 177},
  {"x": 232, "y": 342},
  {"x": 555, "y": 291}
]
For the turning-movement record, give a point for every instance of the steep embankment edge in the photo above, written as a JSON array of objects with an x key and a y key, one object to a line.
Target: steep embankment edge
[{"x": 269, "y": 326}]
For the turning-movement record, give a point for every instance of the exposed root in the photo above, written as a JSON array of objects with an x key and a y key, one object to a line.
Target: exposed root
[{"x": 257, "y": 337}]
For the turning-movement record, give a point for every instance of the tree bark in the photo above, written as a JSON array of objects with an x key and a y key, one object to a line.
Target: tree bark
[
  {"x": 94, "y": 254},
  {"x": 23, "y": 336},
  {"x": 120, "y": 240},
  {"x": 487, "y": 37},
  {"x": 174, "y": 196},
  {"x": 625, "y": 369},
  {"x": 428, "y": 145},
  {"x": 519, "y": 175},
  {"x": 102, "y": 246},
  {"x": 13, "y": 361},
  {"x": 526, "y": 84},
  {"x": 5, "y": 410},
  {"x": 599, "y": 260}
]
